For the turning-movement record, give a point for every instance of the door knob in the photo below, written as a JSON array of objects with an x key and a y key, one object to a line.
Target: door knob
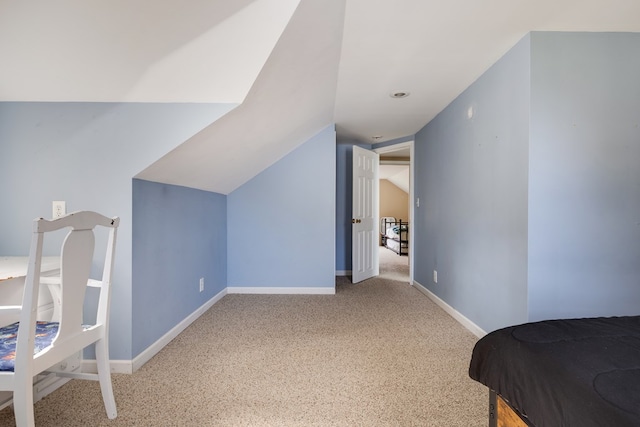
[{"x": 356, "y": 221}]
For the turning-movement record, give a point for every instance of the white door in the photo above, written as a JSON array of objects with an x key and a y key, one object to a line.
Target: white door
[{"x": 364, "y": 222}]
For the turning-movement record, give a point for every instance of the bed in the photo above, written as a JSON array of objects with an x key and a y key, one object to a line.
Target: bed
[
  {"x": 574, "y": 372},
  {"x": 394, "y": 235}
]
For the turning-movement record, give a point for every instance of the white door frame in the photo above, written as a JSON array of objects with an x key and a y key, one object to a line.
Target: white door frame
[{"x": 412, "y": 203}]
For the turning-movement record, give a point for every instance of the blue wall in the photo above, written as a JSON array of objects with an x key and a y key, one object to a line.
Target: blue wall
[
  {"x": 282, "y": 222},
  {"x": 529, "y": 210},
  {"x": 87, "y": 155},
  {"x": 584, "y": 197},
  {"x": 471, "y": 179},
  {"x": 179, "y": 236}
]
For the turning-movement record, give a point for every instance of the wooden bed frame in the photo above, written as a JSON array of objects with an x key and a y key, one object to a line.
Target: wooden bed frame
[
  {"x": 578, "y": 372},
  {"x": 502, "y": 415}
]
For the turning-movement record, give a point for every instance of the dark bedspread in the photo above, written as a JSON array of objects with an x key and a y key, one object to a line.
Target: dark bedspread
[{"x": 577, "y": 372}]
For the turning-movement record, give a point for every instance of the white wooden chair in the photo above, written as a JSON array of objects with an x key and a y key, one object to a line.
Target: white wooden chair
[{"x": 37, "y": 352}]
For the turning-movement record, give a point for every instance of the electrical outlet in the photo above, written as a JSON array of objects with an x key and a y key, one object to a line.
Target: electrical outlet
[
  {"x": 201, "y": 284},
  {"x": 435, "y": 276},
  {"x": 59, "y": 208}
]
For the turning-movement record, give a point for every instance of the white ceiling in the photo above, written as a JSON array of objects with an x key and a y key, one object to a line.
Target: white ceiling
[
  {"x": 294, "y": 66},
  {"x": 436, "y": 49}
]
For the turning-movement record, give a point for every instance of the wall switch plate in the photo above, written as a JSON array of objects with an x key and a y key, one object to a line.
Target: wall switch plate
[
  {"x": 59, "y": 208},
  {"x": 201, "y": 284},
  {"x": 435, "y": 276}
]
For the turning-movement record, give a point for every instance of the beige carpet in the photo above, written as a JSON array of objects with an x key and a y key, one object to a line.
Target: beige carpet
[
  {"x": 378, "y": 353},
  {"x": 393, "y": 266}
]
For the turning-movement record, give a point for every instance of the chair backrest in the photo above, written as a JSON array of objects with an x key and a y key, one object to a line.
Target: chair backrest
[{"x": 76, "y": 258}]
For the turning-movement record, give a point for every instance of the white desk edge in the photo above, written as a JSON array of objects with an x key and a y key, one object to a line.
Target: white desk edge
[{"x": 12, "y": 267}]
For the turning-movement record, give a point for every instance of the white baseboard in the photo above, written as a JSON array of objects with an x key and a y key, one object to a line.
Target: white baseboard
[
  {"x": 42, "y": 386},
  {"x": 343, "y": 272},
  {"x": 282, "y": 290},
  {"x": 117, "y": 366},
  {"x": 153, "y": 349},
  {"x": 130, "y": 366},
  {"x": 472, "y": 327}
]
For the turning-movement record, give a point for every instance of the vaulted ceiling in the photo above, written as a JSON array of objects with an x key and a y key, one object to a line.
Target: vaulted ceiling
[{"x": 291, "y": 66}]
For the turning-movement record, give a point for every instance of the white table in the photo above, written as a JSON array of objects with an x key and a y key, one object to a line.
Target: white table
[
  {"x": 14, "y": 267},
  {"x": 13, "y": 271}
]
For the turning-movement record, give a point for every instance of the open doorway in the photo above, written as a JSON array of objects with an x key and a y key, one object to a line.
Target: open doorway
[{"x": 396, "y": 211}]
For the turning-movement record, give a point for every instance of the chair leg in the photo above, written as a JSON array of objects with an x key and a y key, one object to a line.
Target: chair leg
[
  {"x": 23, "y": 406},
  {"x": 104, "y": 375}
]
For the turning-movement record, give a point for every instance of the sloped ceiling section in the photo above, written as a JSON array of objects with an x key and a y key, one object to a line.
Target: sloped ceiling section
[
  {"x": 136, "y": 51},
  {"x": 278, "y": 59},
  {"x": 291, "y": 100},
  {"x": 398, "y": 175}
]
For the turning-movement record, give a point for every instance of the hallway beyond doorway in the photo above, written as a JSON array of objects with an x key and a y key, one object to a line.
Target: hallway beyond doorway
[{"x": 393, "y": 266}]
